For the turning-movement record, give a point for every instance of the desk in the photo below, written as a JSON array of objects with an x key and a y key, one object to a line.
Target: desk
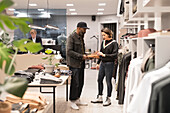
[{"x": 53, "y": 86}]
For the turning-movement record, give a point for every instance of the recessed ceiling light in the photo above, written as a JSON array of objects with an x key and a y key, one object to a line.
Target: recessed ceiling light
[
  {"x": 40, "y": 9},
  {"x": 100, "y": 9},
  {"x": 72, "y": 9},
  {"x": 102, "y": 4},
  {"x": 69, "y": 4},
  {"x": 100, "y": 13},
  {"x": 73, "y": 13},
  {"x": 32, "y": 4},
  {"x": 11, "y": 9}
]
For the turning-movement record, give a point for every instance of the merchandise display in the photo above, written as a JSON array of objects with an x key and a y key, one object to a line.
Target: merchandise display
[{"x": 126, "y": 71}]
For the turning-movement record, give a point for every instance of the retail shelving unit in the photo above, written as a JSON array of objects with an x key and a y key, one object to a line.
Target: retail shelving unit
[
  {"x": 146, "y": 11},
  {"x": 162, "y": 54},
  {"x": 133, "y": 46}
]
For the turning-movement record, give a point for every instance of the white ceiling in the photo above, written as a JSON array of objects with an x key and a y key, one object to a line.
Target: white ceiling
[{"x": 83, "y": 7}]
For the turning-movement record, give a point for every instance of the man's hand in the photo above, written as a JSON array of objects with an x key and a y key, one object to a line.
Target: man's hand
[{"x": 85, "y": 57}]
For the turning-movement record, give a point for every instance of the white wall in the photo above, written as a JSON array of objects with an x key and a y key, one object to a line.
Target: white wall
[
  {"x": 165, "y": 21},
  {"x": 95, "y": 27},
  {"x": 108, "y": 19}
]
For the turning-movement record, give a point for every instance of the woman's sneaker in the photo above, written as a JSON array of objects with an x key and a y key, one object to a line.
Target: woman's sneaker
[
  {"x": 99, "y": 99},
  {"x": 107, "y": 102}
]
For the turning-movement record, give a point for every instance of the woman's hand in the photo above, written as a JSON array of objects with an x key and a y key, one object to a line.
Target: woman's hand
[
  {"x": 101, "y": 54},
  {"x": 97, "y": 66}
]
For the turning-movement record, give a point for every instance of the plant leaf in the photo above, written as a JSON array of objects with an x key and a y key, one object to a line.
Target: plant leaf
[
  {"x": 7, "y": 21},
  {"x": 21, "y": 23},
  {"x": 15, "y": 85},
  {"x": 19, "y": 43},
  {"x": 28, "y": 46},
  {"x": 5, "y": 3},
  {"x": 48, "y": 51},
  {"x": 33, "y": 47},
  {"x": 6, "y": 58},
  {"x": 44, "y": 58},
  {"x": 12, "y": 70},
  {"x": 1, "y": 26}
]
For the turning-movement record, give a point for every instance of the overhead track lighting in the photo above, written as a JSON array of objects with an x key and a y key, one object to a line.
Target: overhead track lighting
[
  {"x": 36, "y": 27},
  {"x": 51, "y": 27}
]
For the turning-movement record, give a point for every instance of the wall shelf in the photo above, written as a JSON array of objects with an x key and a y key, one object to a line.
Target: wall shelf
[
  {"x": 152, "y": 3},
  {"x": 162, "y": 54}
]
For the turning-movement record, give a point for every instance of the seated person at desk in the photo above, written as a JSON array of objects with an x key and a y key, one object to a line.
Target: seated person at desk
[{"x": 35, "y": 38}]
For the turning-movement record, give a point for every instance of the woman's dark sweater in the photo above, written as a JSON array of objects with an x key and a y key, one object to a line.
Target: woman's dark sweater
[{"x": 110, "y": 49}]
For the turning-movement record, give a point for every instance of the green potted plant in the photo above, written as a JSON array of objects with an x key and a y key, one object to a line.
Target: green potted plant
[
  {"x": 13, "y": 85},
  {"x": 49, "y": 68}
]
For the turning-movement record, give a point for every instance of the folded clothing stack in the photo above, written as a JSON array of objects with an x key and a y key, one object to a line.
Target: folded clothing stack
[
  {"x": 36, "y": 67},
  {"x": 22, "y": 73},
  {"x": 49, "y": 79}
]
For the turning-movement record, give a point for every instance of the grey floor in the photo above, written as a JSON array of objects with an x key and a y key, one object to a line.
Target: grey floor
[{"x": 89, "y": 92}]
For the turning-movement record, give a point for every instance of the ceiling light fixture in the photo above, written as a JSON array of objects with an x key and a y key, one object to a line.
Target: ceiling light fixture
[
  {"x": 74, "y": 13},
  {"x": 40, "y": 9},
  {"x": 72, "y": 9},
  {"x": 100, "y": 13},
  {"x": 100, "y": 9},
  {"x": 33, "y": 5},
  {"x": 21, "y": 15},
  {"x": 102, "y": 4},
  {"x": 36, "y": 27},
  {"x": 29, "y": 25},
  {"x": 51, "y": 27},
  {"x": 11, "y": 9},
  {"x": 69, "y": 4}
]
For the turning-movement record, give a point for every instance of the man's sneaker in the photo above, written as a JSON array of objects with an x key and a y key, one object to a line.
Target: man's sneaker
[
  {"x": 107, "y": 102},
  {"x": 74, "y": 106},
  {"x": 99, "y": 99},
  {"x": 79, "y": 102}
]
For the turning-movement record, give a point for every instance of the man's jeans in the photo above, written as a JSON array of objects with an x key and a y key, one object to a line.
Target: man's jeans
[{"x": 77, "y": 82}]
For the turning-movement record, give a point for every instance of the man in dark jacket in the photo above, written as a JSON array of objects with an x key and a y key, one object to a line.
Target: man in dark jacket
[{"x": 75, "y": 55}]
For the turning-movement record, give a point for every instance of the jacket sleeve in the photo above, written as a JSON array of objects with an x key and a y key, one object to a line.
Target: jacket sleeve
[{"x": 70, "y": 49}]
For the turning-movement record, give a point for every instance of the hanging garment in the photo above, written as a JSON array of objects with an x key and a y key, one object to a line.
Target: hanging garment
[
  {"x": 148, "y": 55},
  {"x": 115, "y": 68},
  {"x": 122, "y": 9},
  {"x": 140, "y": 101},
  {"x": 159, "y": 100},
  {"x": 122, "y": 73},
  {"x": 134, "y": 73}
]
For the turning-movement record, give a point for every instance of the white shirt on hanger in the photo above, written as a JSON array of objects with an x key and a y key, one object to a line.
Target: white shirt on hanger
[
  {"x": 140, "y": 101},
  {"x": 134, "y": 73}
]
